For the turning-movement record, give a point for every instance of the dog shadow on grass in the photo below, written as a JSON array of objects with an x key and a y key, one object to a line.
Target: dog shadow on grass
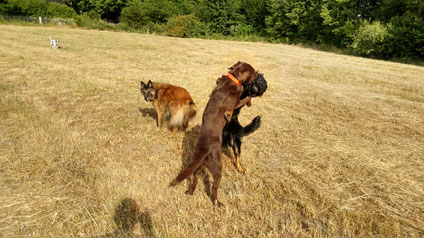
[
  {"x": 189, "y": 146},
  {"x": 150, "y": 112},
  {"x": 127, "y": 216}
]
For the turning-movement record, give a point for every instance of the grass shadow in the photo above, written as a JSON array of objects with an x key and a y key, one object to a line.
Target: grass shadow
[
  {"x": 189, "y": 146},
  {"x": 127, "y": 216}
]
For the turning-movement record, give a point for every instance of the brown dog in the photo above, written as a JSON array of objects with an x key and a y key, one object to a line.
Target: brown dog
[
  {"x": 225, "y": 97},
  {"x": 172, "y": 100}
]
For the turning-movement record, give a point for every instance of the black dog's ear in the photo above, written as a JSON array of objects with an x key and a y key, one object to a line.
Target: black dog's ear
[
  {"x": 150, "y": 84},
  {"x": 143, "y": 85},
  {"x": 235, "y": 65}
]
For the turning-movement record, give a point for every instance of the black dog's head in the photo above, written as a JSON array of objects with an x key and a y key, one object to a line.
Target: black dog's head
[{"x": 256, "y": 87}]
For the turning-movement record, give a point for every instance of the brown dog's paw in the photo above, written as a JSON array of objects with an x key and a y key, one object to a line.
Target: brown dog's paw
[
  {"x": 228, "y": 115},
  {"x": 218, "y": 204},
  {"x": 189, "y": 192},
  {"x": 173, "y": 183},
  {"x": 249, "y": 102}
]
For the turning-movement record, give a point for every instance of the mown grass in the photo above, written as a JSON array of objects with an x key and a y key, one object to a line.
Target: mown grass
[{"x": 340, "y": 151}]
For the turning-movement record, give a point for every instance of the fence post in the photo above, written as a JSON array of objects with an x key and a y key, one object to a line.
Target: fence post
[{"x": 40, "y": 19}]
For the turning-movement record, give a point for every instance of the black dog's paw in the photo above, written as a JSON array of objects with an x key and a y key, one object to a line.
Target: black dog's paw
[
  {"x": 257, "y": 121},
  {"x": 253, "y": 126}
]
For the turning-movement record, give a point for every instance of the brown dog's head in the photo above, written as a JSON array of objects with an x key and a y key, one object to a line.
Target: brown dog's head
[
  {"x": 148, "y": 91},
  {"x": 244, "y": 72}
]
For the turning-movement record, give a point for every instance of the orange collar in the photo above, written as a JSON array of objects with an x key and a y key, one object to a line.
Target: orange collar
[{"x": 229, "y": 75}]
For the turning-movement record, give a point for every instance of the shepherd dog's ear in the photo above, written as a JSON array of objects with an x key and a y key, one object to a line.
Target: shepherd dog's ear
[
  {"x": 235, "y": 65},
  {"x": 150, "y": 84},
  {"x": 143, "y": 85}
]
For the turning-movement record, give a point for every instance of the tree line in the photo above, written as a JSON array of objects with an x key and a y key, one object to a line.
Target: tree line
[{"x": 372, "y": 28}]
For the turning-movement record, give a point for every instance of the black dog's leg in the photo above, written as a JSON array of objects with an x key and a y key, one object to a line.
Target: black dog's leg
[
  {"x": 252, "y": 127},
  {"x": 237, "y": 151}
]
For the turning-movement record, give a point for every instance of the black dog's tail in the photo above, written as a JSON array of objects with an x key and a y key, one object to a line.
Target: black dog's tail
[{"x": 252, "y": 127}]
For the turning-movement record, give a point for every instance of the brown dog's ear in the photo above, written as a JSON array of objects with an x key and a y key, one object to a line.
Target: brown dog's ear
[
  {"x": 244, "y": 72},
  {"x": 218, "y": 81},
  {"x": 143, "y": 85},
  {"x": 235, "y": 65}
]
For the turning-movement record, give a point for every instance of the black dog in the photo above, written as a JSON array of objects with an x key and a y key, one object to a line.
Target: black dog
[{"x": 233, "y": 131}]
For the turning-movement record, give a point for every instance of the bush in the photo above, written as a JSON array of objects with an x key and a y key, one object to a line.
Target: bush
[
  {"x": 241, "y": 30},
  {"x": 133, "y": 16},
  {"x": 55, "y": 9},
  {"x": 89, "y": 19},
  {"x": 184, "y": 26},
  {"x": 369, "y": 40}
]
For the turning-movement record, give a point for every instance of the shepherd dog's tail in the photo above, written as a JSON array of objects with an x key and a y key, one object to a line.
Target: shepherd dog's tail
[{"x": 184, "y": 115}]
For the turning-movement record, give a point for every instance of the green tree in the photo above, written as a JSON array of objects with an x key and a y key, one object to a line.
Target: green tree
[
  {"x": 340, "y": 21},
  {"x": 134, "y": 16},
  {"x": 55, "y": 9},
  {"x": 222, "y": 16},
  {"x": 405, "y": 19},
  {"x": 109, "y": 9},
  {"x": 27, "y": 7},
  {"x": 297, "y": 20},
  {"x": 254, "y": 12}
]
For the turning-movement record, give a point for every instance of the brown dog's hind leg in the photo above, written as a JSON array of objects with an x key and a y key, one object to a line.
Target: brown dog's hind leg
[
  {"x": 215, "y": 167},
  {"x": 193, "y": 183}
]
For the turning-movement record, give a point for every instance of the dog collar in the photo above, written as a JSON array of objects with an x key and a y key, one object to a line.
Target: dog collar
[{"x": 229, "y": 75}]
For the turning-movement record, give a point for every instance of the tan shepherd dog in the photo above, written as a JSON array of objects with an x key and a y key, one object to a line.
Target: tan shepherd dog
[
  {"x": 170, "y": 100},
  {"x": 225, "y": 97}
]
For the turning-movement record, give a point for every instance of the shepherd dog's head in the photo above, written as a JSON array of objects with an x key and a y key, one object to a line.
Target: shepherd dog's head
[{"x": 148, "y": 91}]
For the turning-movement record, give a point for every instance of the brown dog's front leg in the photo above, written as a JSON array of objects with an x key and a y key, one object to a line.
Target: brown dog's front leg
[{"x": 244, "y": 102}]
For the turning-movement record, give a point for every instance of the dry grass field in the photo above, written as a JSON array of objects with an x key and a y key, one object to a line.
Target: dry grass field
[{"x": 340, "y": 152}]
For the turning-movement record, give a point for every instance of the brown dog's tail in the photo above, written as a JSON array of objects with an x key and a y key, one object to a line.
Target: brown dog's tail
[{"x": 189, "y": 170}]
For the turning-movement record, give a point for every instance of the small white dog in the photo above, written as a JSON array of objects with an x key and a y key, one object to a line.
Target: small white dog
[{"x": 54, "y": 43}]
